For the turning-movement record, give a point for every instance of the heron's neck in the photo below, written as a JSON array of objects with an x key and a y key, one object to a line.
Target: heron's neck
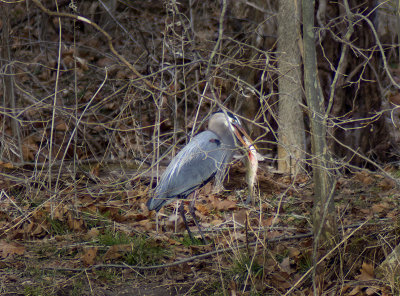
[{"x": 228, "y": 140}]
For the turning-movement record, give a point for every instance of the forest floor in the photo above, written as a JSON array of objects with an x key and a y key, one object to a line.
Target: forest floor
[{"x": 107, "y": 244}]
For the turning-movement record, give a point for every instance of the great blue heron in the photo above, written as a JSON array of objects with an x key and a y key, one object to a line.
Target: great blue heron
[{"x": 205, "y": 156}]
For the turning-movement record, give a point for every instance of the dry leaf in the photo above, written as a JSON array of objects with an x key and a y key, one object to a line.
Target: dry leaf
[
  {"x": 285, "y": 265},
  {"x": 240, "y": 217},
  {"x": 28, "y": 227},
  {"x": 82, "y": 63},
  {"x": 94, "y": 232},
  {"x": 386, "y": 184},
  {"x": 202, "y": 209},
  {"x": 117, "y": 251},
  {"x": 232, "y": 288},
  {"x": 355, "y": 291},
  {"x": 75, "y": 224},
  {"x": 10, "y": 249},
  {"x": 268, "y": 222},
  {"x": 89, "y": 254},
  {"x": 345, "y": 288},
  {"x": 365, "y": 211},
  {"x": 272, "y": 234},
  {"x": 61, "y": 125},
  {"x": 6, "y": 165},
  {"x": 240, "y": 236},
  {"x": 371, "y": 291},
  {"x": 393, "y": 215},
  {"x": 378, "y": 208},
  {"x": 364, "y": 178},
  {"x": 133, "y": 216},
  {"x": 216, "y": 222},
  {"x": 225, "y": 205},
  {"x": 38, "y": 231},
  {"x": 293, "y": 252},
  {"x": 147, "y": 224},
  {"x": 207, "y": 189},
  {"x": 105, "y": 62},
  {"x": 280, "y": 279},
  {"x": 29, "y": 148},
  {"x": 144, "y": 210},
  {"x": 394, "y": 98},
  {"x": 367, "y": 272}
]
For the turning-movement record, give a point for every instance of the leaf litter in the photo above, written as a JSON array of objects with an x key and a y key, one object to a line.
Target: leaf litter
[{"x": 74, "y": 233}]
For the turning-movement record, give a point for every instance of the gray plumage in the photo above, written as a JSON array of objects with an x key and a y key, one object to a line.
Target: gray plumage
[{"x": 205, "y": 156}]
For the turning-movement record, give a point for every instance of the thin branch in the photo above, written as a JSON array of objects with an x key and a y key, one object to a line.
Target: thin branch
[{"x": 105, "y": 34}]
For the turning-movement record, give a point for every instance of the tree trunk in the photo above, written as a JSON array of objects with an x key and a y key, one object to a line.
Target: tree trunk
[
  {"x": 9, "y": 96},
  {"x": 291, "y": 149},
  {"x": 324, "y": 220}
]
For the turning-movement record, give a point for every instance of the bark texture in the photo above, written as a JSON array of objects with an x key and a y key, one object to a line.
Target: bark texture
[
  {"x": 291, "y": 149},
  {"x": 324, "y": 220}
]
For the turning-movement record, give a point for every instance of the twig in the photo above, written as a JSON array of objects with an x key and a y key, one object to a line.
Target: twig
[
  {"x": 105, "y": 34},
  {"x": 342, "y": 62},
  {"x": 378, "y": 42},
  {"x": 322, "y": 259}
]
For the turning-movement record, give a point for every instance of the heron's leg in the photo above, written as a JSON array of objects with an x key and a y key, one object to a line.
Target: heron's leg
[
  {"x": 182, "y": 212},
  {"x": 176, "y": 210},
  {"x": 250, "y": 198},
  {"x": 157, "y": 222},
  {"x": 192, "y": 210}
]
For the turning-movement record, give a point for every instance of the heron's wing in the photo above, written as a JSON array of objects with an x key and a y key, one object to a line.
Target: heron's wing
[{"x": 191, "y": 168}]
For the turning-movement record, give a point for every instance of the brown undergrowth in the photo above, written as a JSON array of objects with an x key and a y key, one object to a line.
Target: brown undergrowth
[
  {"x": 87, "y": 121},
  {"x": 107, "y": 244}
]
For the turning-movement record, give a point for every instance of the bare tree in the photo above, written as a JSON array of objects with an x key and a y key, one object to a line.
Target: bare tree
[
  {"x": 291, "y": 125},
  {"x": 9, "y": 97},
  {"x": 324, "y": 212}
]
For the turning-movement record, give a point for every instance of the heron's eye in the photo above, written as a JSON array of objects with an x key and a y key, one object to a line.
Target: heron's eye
[{"x": 235, "y": 120}]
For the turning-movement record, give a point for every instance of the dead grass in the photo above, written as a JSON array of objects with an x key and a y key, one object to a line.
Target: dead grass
[{"x": 85, "y": 245}]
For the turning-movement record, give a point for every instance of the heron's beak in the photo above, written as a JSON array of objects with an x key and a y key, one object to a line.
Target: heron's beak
[{"x": 247, "y": 142}]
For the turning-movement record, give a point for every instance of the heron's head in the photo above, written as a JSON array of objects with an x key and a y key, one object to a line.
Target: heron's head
[{"x": 226, "y": 125}]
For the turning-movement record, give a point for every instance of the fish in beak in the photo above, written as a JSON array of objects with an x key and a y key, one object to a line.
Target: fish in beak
[{"x": 252, "y": 162}]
